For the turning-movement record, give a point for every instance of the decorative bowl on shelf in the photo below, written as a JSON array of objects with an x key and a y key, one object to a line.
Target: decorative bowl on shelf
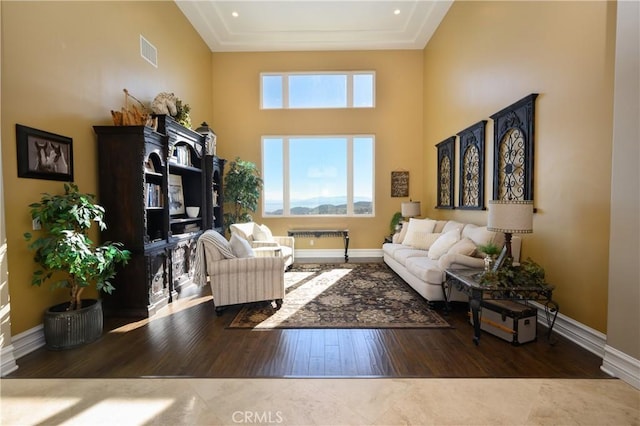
[{"x": 193, "y": 211}]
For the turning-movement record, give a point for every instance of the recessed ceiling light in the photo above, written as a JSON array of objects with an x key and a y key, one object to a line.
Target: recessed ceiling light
[
  {"x": 396, "y": 12},
  {"x": 235, "y": 14}
]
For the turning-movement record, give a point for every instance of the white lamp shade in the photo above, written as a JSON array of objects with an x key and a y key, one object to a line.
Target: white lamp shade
[
  {"x": 510, "y": 216},
  {"x": 410, "y": 208}
]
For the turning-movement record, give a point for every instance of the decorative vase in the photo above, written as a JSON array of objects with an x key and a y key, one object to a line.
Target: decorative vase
[
  {"x": 69, "y": 329},
  {"x": 488, "y": 263}
]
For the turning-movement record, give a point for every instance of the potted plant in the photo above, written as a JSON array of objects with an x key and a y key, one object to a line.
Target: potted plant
[
  {"x": 395, "y": 221},
  {"x": 242, "y": 186},
  {"x": 491, "y": 251},
  {"x": 68, "y": 258}
]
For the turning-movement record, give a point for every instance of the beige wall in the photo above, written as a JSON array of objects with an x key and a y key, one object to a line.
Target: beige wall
[
  {"x": 486, "y": 55},
  {"x": 64, "y": 67},
  {"x": 396, "y": 123},
  {"x": 623, "y": 325}
]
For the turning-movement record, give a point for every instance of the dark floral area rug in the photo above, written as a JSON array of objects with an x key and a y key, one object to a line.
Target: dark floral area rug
[{"x": 348, "y": 295}]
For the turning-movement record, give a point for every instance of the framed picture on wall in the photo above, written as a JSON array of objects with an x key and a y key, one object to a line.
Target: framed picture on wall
[
  {"x": 471, "y": 177},
  {"x": 400, "y": 184},
  {"x": 176, "y": 195},
  {"x": 43, "y": 155},
  {"x": 446, "y": 166}
]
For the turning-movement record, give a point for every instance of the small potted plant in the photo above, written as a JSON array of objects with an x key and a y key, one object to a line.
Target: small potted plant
[
  {"x": 68, "y": 258},
  {"x": 491, "y": 251}
]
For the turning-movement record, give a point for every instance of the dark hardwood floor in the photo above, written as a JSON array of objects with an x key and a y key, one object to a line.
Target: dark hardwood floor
[{"x": 189, "y": 340}]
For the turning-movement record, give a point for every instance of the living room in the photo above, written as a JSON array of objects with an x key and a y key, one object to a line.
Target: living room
[{"x": 63, "y": 70}]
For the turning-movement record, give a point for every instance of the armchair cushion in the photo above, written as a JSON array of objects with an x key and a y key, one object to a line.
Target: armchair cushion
[{"x": 241, "y": 247}]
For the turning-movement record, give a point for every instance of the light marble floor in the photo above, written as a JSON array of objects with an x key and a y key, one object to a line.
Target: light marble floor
[{"x": 318, "y": 402}]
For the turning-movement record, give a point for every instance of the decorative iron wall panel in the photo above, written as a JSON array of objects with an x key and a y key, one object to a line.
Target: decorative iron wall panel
[
  {"x": 446, "y": 168},
  {"x": 513, "y": 150},
  {"x": 471, "y": 179}
]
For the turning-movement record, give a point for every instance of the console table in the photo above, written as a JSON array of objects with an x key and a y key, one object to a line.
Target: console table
[
  {"x": 319, "y": 233},
  {"x": 468, "y": 282}
]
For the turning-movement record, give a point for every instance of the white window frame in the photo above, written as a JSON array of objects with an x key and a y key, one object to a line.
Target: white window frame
[
  {"x": 286, "y": 210},
  {"x": 350, "y": 88}
]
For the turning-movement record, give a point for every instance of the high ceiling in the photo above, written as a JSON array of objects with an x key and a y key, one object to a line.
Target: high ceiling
[{"x": 266, "y": 25}]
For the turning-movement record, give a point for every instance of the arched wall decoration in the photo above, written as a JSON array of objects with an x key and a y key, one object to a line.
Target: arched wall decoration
[
  {"x": 471, "y": 179},
  {"x": 513, "y": 150},
  {"x": 446, "y": 168}
]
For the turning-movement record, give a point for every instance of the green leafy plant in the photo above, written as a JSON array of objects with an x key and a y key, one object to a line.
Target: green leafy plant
[
  {"x": 395, "y": 220},
  {"x": 242, "y": 186},
  {"x": 490, "y": 249},
  {"x": 527, "y": 273},
  {"x": 63, "y": 250},
  {"x": 183, "y": 114}
]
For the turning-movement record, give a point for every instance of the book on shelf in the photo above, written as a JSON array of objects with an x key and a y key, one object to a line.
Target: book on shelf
[{"x": 153, "y": 195}]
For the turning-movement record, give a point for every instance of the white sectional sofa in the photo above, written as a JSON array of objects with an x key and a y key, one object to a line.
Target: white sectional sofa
[{"x": 425, "y": 248}]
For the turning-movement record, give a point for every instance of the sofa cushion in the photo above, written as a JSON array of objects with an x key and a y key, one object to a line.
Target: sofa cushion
[
  {"x": 241, "y": 247},
  {"x": 480, "y": 235},
  {"x": 391, "y": 248},
  {"x": 443, "y": 243},
  {"x": 405, "y": 253},
  {"x": 465, "y": 247},
  {"x": 439, "y": 226},
  {"x": 244, "y": 230},
  {"x": 451, "y": 225},
  {"x": 424, "y": 240},
  {"x": 425, "y": 269},
  {"x": 417, "y": 227}
]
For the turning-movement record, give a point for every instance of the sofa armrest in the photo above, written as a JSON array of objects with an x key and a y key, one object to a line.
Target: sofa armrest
[
  {"x": 245, "y": 264},
  {"x": 285, "y": 241},
  {"x": 461, "y": 261}
]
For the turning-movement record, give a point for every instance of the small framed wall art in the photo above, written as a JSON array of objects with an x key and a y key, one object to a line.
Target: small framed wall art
[
  {"x": 176, "y": 195},
  {"x": 43, "y": 155},
  {"x": 400, "y": 184}
]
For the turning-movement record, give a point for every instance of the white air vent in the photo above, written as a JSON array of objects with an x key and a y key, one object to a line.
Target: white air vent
[{"x": 148, "y": 51}]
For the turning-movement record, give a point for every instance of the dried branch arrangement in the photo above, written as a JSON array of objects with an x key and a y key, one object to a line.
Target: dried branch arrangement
[{"x": 132, "y": 115}]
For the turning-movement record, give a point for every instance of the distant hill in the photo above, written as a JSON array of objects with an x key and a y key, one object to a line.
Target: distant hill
[{"x": 359, "y": 207}]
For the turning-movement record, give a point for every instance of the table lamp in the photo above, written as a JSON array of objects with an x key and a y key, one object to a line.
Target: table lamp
[
  {"x": 410, "y": 209},
  {"x": 510, "y": 217}
]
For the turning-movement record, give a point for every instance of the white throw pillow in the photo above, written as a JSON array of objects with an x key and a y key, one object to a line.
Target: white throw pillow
[
  {"x": 241, "y": 247},
  {"x": 424, "y": 240},
  {"x": 262, "y": 233},
  {"x": 443, "y": 244},
  {"x": 480, "y": 235},
  {"x": 417, "y": 228},
  {"x": 465, "y": 247}
]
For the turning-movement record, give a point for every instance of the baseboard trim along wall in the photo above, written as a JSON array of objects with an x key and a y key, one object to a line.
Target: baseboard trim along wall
[
  {"x": 615, "y": 363},
  {"x": 621, "y": 365}
]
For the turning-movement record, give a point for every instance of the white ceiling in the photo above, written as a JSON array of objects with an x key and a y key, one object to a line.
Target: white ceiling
[{"x": 267, "y": 25}]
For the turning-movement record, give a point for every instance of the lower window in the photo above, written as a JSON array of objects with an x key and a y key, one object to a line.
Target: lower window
[{"x": 318, "y": 175}]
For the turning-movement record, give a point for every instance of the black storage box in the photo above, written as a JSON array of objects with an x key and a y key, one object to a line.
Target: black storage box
[{"x": 508, "y": 320}]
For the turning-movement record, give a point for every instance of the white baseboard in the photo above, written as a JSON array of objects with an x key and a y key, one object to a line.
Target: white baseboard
[
  {"x": 21, "y": 345},
  {"x": 621, "y": 365},
  {"x": 586, "y": 337},
  {"x": 8, "y": 364}
]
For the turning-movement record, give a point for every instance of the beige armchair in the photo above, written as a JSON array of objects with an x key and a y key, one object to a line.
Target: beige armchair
[
  {"x": 264, "y": 243},
  {"x": 236, "y": 280}
]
